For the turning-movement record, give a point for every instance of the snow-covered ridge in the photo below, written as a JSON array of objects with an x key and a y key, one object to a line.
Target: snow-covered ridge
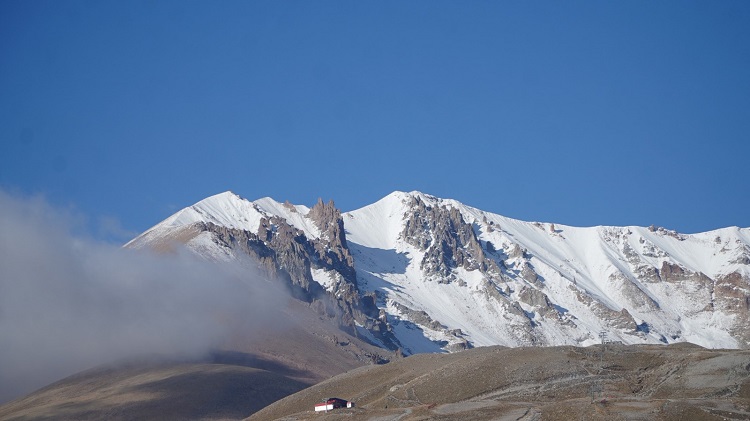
[
  {"x": 517, "y": 282},
  {"x": 229, "y": 210},
  {"x": 225, "y": 209},
  {"x": 379, "y": 225},
  {"x": 604, "y": 263}
]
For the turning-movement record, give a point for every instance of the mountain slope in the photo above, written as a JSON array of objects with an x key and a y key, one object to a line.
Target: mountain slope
[
  {"x": 248, "y": 372},
  {"x": 155, "y": 391},
  {"x": 422, "y": 274},
  {"x": 643, "y": 382},
  {"x": 504, "y": 281}
]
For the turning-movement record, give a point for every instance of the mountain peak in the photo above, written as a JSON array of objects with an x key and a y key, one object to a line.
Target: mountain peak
[
  {"x": 444, "y": 268},
  {"x": 221, "y": 197},
  {"x": 402, "y": 195},
  {"x": 226, "y": 209}
]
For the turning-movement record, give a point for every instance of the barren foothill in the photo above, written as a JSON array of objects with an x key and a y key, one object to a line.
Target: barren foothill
[
  {"x": 247, "y": 374},
  {"x": 615, "y": 382}
]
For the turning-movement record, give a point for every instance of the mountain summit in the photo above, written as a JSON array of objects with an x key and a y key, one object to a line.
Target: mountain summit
[{"x": 420, "y": 274}]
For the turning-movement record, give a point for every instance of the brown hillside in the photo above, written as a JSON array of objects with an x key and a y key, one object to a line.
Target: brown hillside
[
  {"x": 251, "y": 371},
  {"x": 626, "y": 382},
  {"x": 154, "y": 391}
]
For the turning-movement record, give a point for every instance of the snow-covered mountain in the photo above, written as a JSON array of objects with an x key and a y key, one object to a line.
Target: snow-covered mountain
[{"x": 420, "y": 273}]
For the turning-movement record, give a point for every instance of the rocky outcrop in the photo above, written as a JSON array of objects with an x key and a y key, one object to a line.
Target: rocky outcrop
[
  {"x": 332, "y": 250},
  {"x": 647, "y": 273},
  {"x": 667, "y": 232},
  {"x": 529, "y": 274},
  {"x": 539, "y": 301},
  {"x": 456, "y": 341},
  {"x": 448, "y": 240},
  {"x": 284, "y": 253},
  {"x": 732, "y": 295},
  {"x": 633, "y": 293},
  {"x": 281, "y": 251},
  {"x": 694, "y": 286},
  {"x": 614, "y": 319}
]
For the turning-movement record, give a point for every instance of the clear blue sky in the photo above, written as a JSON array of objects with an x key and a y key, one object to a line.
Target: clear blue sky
[{"x": 580, "y": 113}]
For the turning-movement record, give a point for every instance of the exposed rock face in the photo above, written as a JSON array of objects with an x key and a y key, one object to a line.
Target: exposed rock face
[
  {"x": 611, "y": 318},
  {"x": 647, "y": 273},
  {"x": 285, "y": 253},
  {"x": 449, "y": 242},
  {"x": 289, "y": 252},
  {"x": 732, "y": 295},
  {"x": 334, "y": 252},
  {"x": 623, "y": 320},
  {"x": 538, "y": 300},
  {"x": 633, "y": 292},
  {"x": 516, "y": 252},
  {"x": 675, "y": 273},
  {"x": 695, "y": 286},
  {"x": 528, "y": 273},
  {"x": 422, "y": 319}
]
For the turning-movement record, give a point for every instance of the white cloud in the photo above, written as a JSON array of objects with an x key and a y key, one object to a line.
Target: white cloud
[{"x": 68, "y": 303}]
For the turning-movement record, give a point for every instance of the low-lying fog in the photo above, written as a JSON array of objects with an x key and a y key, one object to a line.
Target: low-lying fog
[{"x": 68, "y": 303}]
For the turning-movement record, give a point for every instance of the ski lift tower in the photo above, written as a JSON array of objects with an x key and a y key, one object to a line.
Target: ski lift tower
[
  {"x": 603, "y": 336},
  {"x": 597, "y": 391}
]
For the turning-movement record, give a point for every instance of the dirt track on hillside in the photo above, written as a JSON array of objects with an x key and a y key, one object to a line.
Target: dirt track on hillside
[{"x": 624, "y": 383}]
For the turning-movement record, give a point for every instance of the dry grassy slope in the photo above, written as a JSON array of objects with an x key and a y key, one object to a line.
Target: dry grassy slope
[
  {"x": 155, "y": 391},
  {"x": 301, "y": 348},
  {"x": 310, "y": 343},
  {"x": 639, "y": 382}
]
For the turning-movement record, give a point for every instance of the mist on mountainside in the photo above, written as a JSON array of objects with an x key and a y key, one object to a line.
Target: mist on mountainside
[{"x": 68, "y": 303}]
